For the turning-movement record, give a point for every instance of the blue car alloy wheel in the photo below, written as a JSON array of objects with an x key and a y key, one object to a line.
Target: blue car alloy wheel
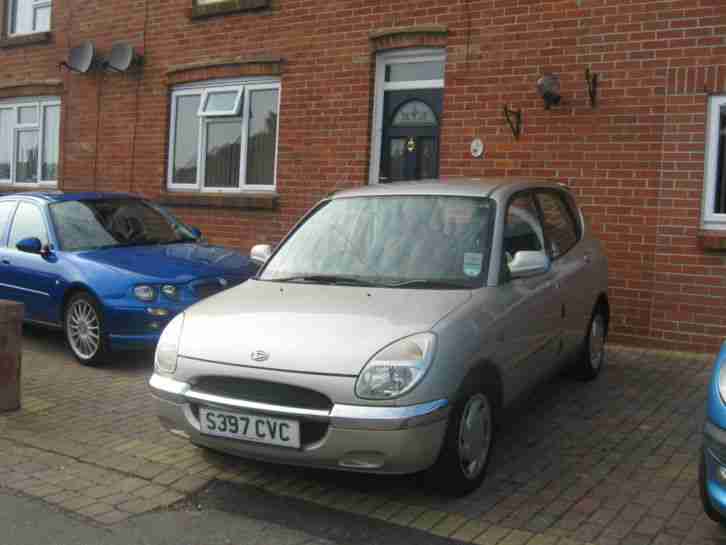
[{"x": 712, "y": 467}]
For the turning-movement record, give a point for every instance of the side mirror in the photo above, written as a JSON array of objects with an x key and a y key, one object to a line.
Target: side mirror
[
  {"x": 30, "y": 245},
  {"x": 527, "y": 264},
  {"x": 260, "y": 253},
  {"x": 195, "y": 232}
]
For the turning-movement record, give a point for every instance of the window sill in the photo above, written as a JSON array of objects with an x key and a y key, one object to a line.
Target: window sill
[
  {"x": 25, "y": 39},
  {"x": 712, "y": 239},
  {"x": 225, "y": 7},
  {"x": 262, "y": 200}
]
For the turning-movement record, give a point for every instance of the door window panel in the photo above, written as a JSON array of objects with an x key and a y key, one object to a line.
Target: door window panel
[
  {"x": 397, "y": 165},
  {"x": 559, "y": 223},
  {"x": 28, "y": 223},
  {"x": 415, "y": 113},
  {"x": 522, "y": 230},
  {"x": 427, "y": 154}
]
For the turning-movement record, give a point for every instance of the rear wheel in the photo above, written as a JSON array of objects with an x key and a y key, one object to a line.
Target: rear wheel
[
  {"x": 465, "y": 454},
  {"x": 84, "y": 329},
  {"x": 592, "y": 355}
]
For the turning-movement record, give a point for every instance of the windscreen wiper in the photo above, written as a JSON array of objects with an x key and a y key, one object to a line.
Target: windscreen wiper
[
  {"x": 430, "y": 284},
  {"x": 328, "y": 279}
]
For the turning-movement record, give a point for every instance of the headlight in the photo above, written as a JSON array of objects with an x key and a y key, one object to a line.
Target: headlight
[
  {"x": 170, "y": 291},
  {"x": 168, "y": 348},
  {"x": 145, "y": 293},
  {"x": 396, "y": 369},
  {"x": 722, "y": 381}
]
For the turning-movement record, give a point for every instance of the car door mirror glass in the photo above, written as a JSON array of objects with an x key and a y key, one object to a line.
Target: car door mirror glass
[
  {"x": 260, "y": 253},
  {"x": 31, "y": 245},
  {"x": 195, "y": 232},
  {"x": 528, "y": 263}
]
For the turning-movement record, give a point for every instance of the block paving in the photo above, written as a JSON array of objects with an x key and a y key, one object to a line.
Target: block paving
[{"x": 613, "y": 462}]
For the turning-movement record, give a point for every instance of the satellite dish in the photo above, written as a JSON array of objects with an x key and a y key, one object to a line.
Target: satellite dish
[
  {"x": 122, "y": 58},
  {"x": 81, "y": 58}
]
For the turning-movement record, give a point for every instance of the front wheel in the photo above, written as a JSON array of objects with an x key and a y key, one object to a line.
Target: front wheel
[
  {"x": 84, "y": 329},
  {"x": 462, "y": 463},
  {"x": 705, "y": 500}
]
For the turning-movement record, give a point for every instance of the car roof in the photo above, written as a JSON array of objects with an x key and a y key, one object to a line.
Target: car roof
[
  {"x": 60, "y": 196},
  {"x": 458, "y": 187}
]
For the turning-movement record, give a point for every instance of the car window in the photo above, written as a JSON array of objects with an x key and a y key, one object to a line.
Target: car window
[
  {"x": 28, "y": 223},
  {"x": 522, "y": 229},
  {"x": 6, "y": 208},
  {"x": 559, "y": 223}
]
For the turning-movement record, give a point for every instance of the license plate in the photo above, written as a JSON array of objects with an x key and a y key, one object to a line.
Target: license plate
[{"x": 250, "y": 427}]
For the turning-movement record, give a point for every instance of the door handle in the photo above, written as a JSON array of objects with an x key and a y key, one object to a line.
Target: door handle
[
  {"x": 588, "y": 257},
  {"x": 6, "y": 262}
]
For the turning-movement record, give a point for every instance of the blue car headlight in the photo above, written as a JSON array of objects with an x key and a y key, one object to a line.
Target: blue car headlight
[
  {"x": 145, "y": 293},
  {"x": 170, "y": 291},
  {"x": 722, "y": 382}
]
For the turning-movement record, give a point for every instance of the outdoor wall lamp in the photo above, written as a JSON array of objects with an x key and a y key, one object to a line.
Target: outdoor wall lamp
[{"x": 548, "y": 87}]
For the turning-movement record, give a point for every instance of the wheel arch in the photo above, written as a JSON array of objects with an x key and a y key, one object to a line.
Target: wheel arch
[
  {"x": 71, "y": 290},
  {"x": 486, "y": 373}
]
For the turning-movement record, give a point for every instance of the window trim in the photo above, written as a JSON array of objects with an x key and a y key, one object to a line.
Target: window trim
[
  {"x": 384, "y": 59},
  {"x": 246, "y": 86},
  {"x": 219, "y": 113},
  {"x": 711, "y": 220},
  {"x": 37, "y": 4},
  {"x": 40, "y": 104}
]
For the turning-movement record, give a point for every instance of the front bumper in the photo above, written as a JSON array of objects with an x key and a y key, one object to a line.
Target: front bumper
[
  {"x": 714, "y": 451},
  {"x": 394, "y": 440}
]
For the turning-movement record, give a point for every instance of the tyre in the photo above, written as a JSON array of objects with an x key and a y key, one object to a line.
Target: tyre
[
  {"x": 592, "y": 354},
  {"x": 83, "y": 324},
  {"x": 707, "y": 507},
  {"x": 466, "y": 451}
]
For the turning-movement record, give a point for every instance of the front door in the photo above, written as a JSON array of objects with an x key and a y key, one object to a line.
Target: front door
[{"x": 411, "y": 130}]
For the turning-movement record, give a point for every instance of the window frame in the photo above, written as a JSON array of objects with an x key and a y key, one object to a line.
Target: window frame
[
  {"x": 383, "y": 60},
  {"x": 202, "y": 89},
  {"x": 40, "y": 104},
  {"x": 36, "y": 5},
  {"x": 710, "y": 219}
]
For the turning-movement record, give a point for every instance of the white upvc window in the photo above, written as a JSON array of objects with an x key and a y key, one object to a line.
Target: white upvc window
[
  {"x": 29, "y": 141},
  {"x": 714, "y": 194},
  {"x": 223, "y": 136},
  {"x": 28, "y": 16}
]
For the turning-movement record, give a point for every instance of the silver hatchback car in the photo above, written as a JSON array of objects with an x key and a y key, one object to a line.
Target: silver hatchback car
[{"x": 389, "y": 326}]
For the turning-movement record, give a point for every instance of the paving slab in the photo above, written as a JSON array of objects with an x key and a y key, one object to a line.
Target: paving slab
[{"x": 612, "y": 461}]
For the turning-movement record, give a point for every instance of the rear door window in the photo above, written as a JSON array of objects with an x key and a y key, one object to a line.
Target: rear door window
[
  {"x": 28, "y": 223},
  {"x": 559, "y": 223},
  {"x": 6, "y": 211}
]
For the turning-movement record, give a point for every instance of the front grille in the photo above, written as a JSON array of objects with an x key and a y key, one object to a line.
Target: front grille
[{"x": 263, "y": 392}]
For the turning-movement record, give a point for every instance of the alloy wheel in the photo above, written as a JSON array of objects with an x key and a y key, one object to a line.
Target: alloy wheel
[
  {"x": 84, "y": 329},
  {"x": 475, "y": 435}
]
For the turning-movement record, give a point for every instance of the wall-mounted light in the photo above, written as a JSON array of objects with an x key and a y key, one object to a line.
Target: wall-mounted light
[
  {"x": 514, "y": 119},
  {"x": 548, "y": 87},
  {"x": 592, "y": 84}
]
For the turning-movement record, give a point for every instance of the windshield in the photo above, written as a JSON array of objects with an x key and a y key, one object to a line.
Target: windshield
[
  {"x": 407, "y": 241},
  {"x": 94, "y": 224}
]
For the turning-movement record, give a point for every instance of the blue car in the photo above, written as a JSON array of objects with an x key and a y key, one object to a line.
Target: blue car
[
  {"x": 712, "y": 474},
  {"x": 110, "y": 269}
]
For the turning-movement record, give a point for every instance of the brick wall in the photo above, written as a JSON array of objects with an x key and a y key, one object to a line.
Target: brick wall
[{"x": 635, "y": 162}]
